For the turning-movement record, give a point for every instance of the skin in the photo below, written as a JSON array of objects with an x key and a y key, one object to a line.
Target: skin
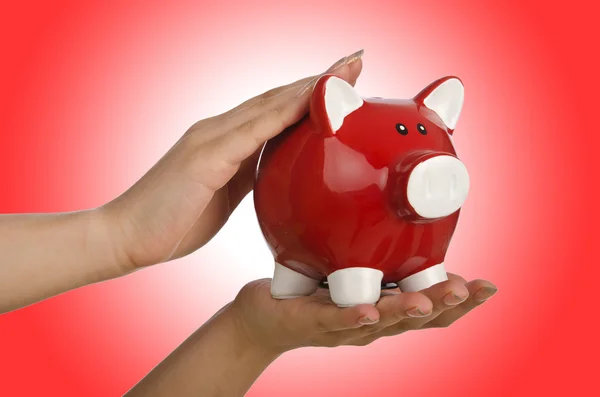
[{"x": 175, "y": 209}]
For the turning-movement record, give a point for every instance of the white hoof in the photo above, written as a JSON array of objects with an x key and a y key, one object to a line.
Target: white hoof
[
  {"x": 289, "y": 284},
  {"x": 424, "y": 279},
  {"x": 354, "y": 286}
]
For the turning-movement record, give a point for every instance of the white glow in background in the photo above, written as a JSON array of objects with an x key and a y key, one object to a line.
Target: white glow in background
[{"x": 140, "y": 79}]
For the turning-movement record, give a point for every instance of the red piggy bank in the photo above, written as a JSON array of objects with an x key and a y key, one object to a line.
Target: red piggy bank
[{"x": 362, "y": 192}]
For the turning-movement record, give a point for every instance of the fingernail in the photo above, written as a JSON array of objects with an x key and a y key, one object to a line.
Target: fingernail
[
  {"x": 451, "y": 299},
  {"x": 367, "y": 321},
  {"x": 354, "y": 57},
  {"x": 346, "y": 60},
  {"x": 337, "y": 65},
  {"x": 343, "y": 61},
  {"x": 417, "y": 312},
  {"x": 485, "y": 293}
]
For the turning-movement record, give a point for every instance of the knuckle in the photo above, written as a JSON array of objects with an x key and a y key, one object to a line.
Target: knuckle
[
  {"x": 195, "y": 138},
  {"x": 267, "y": 95}
]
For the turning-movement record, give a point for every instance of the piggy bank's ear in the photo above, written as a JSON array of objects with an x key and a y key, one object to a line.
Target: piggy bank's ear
[
  {"x": 445, "y": 97},
  {"x": 333, "y": 99}
]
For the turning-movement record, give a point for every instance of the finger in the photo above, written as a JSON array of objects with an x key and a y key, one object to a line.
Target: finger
[
  {"x": 328, "y": 317},
  {"x": 215, "y": 126},
  {"x": 443, "y": 296},
  {"x": 240, "y": 143},
  {"x": 298, "y": 84},
  {"x": 456, "y": 277},
  {"x": 447, "y": 294},
  {"x": 252, "y": 107},
  {"x": 262, "y": 98},
  {"x": 389, "y": 292},
  {"x": 244, "y": 179},
  {"x": 267, "y": 102},
  {"x": 355, "y": 71},
  {"x": 392, "y": 308},
  {"x": 241, "y": 184},
  {"x": 351, "y": 59},
  {"x": 262, "y": 101},
  {"x": 398, "y": 306},
  {"x": 479, "y": 292}
]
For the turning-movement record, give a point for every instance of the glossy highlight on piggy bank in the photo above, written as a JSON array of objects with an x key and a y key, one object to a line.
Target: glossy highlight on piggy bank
[{"x": 363, "y": 192}]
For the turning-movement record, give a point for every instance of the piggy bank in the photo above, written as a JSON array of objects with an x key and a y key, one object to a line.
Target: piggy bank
[{"x": 362, "y": 192}]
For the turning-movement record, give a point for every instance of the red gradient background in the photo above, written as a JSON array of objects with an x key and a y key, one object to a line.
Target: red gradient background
[{"x": 93, "y": 95}]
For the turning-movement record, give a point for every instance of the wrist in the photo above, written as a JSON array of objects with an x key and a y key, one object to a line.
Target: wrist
[
  {"x": 246, "y": 339},
  {"x": 104, "y": 240},
  {"x": 226, "y": 359}
]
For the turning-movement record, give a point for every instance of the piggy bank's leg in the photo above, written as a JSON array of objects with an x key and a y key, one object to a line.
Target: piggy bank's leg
[
  {"x": 288, "y": 284},
  {"x": 355, "y": 286},
  {"x": 424, "y": 279}
]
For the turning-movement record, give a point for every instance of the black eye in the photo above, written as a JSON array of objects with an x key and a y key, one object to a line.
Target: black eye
[
  {"x": 421, "y": 129},
  {"x": 401, "y": 128}
]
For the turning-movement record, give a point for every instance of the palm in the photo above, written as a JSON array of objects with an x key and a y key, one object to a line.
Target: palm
[
  {"x": 223, "y": 202},
  {"x": 316, "y": 321},
  {"x": 183, "y": 219}
]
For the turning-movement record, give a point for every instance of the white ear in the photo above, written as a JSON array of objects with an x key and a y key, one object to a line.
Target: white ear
[
  {"x": 447, "y": 101},
  {"x": 341, "y": 99}
]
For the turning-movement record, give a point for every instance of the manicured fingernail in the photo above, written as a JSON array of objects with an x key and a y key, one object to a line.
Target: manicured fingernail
[
  {"x": 451, "y": 299},
  {"x": 354, "y": 57},
  {"x": 367, "y": 321},
  {"x": 417, "y": 312},
  {"x": 311, "y": 83},
  {"x": 485, "y": 293},
  {"x": 338, "y": 64},
  {"x": 346, "y": 60},
  {"x": 343, "y": 61}
]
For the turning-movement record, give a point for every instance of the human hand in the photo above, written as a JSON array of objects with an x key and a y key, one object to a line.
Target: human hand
[
  {"x": 185, "y": 199},
  {"x": 281, "y": 325}
]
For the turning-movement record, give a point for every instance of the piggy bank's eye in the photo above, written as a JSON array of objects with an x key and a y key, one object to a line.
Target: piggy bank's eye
[
  {"x": 401, "y": 128},
  {"x": 421, "y": 129}
]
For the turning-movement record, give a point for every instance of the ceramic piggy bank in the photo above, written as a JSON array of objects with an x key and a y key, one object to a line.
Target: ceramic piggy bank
[{"x": 362, "y": 192}]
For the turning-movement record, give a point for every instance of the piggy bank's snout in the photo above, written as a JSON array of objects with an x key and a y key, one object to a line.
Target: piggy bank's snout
[{"x": 438, "y": 186}]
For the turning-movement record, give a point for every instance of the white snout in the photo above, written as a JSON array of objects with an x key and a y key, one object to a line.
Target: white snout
[{"x": 438, "y": 187}]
